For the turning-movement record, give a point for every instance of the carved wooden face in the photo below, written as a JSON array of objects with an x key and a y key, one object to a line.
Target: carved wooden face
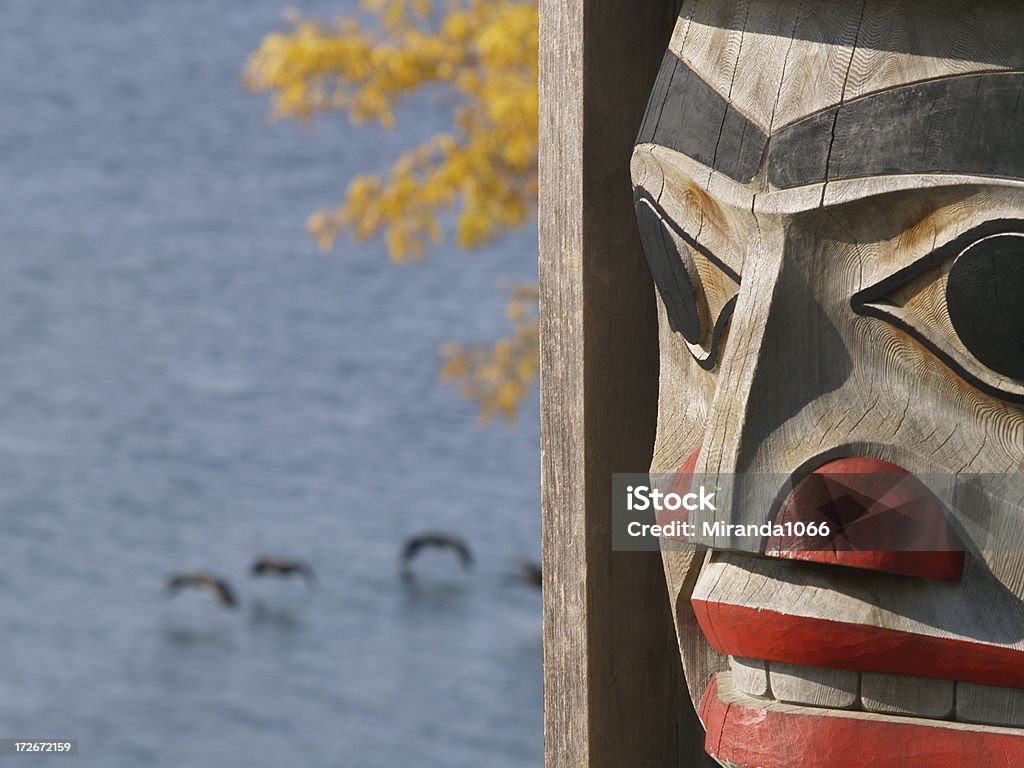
[{"x": 831, "y": 200}]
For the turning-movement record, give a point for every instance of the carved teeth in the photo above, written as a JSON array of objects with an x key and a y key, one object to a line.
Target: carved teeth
[
  {"x": 814, "y": 686},
  {"x": 913, "y": 696},
  {"x": 878, "y": 693},
  {"x": 988, "y": 705},
  {"x": 750, "y": 676}
]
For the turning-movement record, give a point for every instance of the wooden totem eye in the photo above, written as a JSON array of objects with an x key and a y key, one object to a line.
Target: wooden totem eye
[
  {"x": 965, "y": 302},
  {"x": 675, "y": 276},
  {"x": 985, "y": 297}
]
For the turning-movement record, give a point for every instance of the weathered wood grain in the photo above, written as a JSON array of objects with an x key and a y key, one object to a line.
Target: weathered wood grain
[
  {"x": 985, "y": 704},
  {"x": 891, "y": 135},
  {"x": 915, "y": 696},
  {"x": 612, "y": 676},
  {"x": 814, "y": 686},
  {"x": 750, "y": 676},
  {"x": 899, "y": 42}
]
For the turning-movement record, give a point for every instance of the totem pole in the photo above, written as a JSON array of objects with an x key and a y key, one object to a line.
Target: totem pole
[{"x": 830, "y": 196}]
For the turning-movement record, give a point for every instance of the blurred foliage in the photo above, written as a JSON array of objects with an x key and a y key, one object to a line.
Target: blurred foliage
[
  {"x": 484, "y": 53},
  {"x": 499, "y": 377}
]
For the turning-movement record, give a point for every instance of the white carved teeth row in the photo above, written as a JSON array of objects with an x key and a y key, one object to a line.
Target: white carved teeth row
[{"x": 885, "y": 694}]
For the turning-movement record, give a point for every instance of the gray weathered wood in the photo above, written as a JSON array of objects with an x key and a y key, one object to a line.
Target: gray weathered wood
[
  {"x": 614, "y": 693},
  {"x": 891, "y": 134},
  {"x": 914, "y": 696},
  {"x": 750, "y": 676},
  {"x": 985, "y": 704},
  {"x": 814, "y": 686}
]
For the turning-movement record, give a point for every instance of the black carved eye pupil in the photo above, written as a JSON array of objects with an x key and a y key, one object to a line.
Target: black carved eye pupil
[
  {"x": 683, "y": 303},
  {"x": 985, "y": 297}
]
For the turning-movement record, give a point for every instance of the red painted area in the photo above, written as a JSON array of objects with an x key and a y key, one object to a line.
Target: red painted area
[
  {"x": 881, "y": 518},
  {"x": 748, "y": 736},
  {"x": 762, "y": 634},
  {"x": 682, "y": 484},
  {"x": 710, "y": 716}
]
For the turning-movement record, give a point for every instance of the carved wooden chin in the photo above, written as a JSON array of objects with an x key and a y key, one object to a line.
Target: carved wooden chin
[{"x": 831, "y": 199}]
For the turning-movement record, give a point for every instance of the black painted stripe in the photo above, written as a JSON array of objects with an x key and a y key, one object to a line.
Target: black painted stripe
[
  {"x": 879, "y": 291},
  {"x": 709, "y": 362},
  {"x": 669, "y": 274},
  {"x": 967, "y": 124},
  {"x": 657, "y": 100},
  {"x": 689, "y": 116}
]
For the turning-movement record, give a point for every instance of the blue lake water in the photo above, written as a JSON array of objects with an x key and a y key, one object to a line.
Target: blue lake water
[{"x": 185, "y": 382}]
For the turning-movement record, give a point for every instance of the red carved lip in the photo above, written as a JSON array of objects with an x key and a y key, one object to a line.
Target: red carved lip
[
  {"x": 813, "y": 642},
  {"x": 745, "y": 732}
]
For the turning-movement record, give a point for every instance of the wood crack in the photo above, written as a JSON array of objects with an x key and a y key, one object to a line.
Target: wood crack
[{"x": 842, "y": 101}]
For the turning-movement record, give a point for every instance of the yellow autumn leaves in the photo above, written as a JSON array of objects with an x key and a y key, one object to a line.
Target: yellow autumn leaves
[
  {"x": 499, "y": 377},
  {"x": 485, "y": 169},
  {"x": 486, "y": 51}
]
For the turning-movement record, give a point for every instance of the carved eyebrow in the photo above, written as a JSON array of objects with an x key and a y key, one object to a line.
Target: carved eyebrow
[
  {"x": 689, "y": 116},
  {"x": 964, "y": 124}
]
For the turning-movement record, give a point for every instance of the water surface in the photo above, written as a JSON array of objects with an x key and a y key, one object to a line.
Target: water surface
[{"x": 187, "y": 383}]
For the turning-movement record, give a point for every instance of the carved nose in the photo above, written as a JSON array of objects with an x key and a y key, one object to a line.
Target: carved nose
[
  {"x": 879, "y": 517},
  {"x": 783, "y": 355},
  {"x": 754, "y": 361}
]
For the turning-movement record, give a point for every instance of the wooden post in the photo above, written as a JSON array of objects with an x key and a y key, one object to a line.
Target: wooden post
[{"x": 614, "y": 694}]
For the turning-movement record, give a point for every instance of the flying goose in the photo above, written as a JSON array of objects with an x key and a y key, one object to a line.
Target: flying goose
[
  {"x": 218, "y": 587},
  {"x": 274, "y": 566},
  {"x": 436, "y": 540}
]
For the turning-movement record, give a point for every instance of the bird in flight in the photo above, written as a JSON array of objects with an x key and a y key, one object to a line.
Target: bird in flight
[
  {"x": 274, "y": 566},
  {"x": 437, "y": 540},
  {"x": 217, "y": 586}
]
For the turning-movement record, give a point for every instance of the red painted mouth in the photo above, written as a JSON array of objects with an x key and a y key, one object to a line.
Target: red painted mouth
[
  {"x": 870, "y": 505},
  {"x": 746, "y": 732},
  {"x": 886, "y": 521}
]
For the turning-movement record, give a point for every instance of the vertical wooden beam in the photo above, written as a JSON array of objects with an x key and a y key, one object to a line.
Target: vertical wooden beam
[{"x": 613, "y": 683}]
